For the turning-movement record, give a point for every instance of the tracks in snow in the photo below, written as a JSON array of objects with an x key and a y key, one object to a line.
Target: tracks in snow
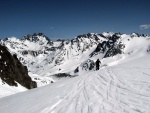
[{"x": 103, "y": 92}]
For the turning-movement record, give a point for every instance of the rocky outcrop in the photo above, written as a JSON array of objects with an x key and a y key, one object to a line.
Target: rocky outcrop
[
  {"x": 12, "y": 71},
  {"x": 109, "y": 48},
  {"x": 85, "y": 66}
]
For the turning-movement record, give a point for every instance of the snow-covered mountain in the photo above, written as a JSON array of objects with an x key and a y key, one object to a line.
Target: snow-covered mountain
[
  {"x": 123, "y": 88},
  {"x": 47, "y": 60}
]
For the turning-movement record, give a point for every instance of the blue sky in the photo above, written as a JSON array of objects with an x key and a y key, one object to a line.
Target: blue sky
[{"x": 69, "y": 18}]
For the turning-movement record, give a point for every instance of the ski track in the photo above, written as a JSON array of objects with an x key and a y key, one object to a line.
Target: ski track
[{"x": 104, "y": 92}]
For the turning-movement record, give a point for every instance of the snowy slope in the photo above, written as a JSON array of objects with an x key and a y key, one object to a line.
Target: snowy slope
[
  {"x": 124, "y": 88},
  {"x": 6, "y": 90}
]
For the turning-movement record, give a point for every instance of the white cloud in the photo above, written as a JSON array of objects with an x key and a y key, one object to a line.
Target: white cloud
[
  {"x": 145, "y": 26},
  {"x": 51, "y": 28}
]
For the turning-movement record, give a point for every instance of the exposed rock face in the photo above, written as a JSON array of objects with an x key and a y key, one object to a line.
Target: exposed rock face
[
  {"x": 37, "y": 38},
  {"x": 111, "y": 47},
  {"x": 12, "y": 71},
  {"x": 86, "y": 66}
]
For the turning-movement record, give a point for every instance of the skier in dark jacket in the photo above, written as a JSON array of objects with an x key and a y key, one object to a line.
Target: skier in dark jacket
[{"x": 97, "y": 64}]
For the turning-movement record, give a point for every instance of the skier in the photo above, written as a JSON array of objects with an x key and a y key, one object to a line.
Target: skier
[{"x": 97, "y": 64}]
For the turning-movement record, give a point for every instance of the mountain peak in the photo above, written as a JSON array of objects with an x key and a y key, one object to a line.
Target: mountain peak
[{"x": 37, "y": 37}]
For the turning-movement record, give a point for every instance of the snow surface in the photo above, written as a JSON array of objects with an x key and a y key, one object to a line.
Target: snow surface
[
  {"x": 9, "y": 90},
  {"x": 123, "y": 88}
]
